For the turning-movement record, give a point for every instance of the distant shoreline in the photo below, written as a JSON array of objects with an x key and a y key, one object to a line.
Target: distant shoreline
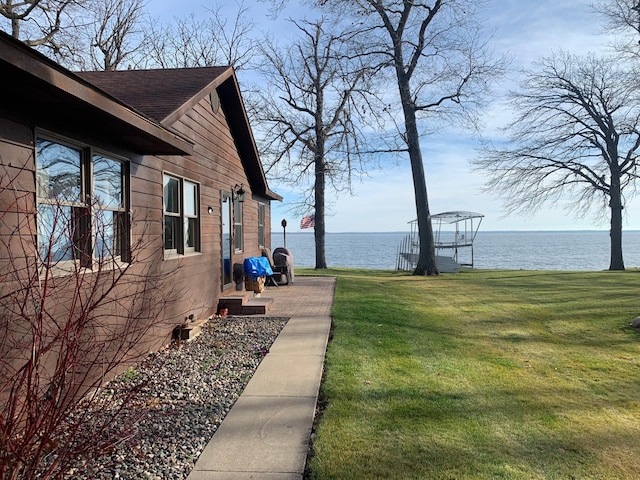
[{"x": 399, "y": 232}]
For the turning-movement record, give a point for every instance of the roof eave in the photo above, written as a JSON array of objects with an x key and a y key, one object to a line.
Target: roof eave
[
  {"x": 146, "y": 136},
  {"x": 233, "y": 105},
  {"x": 191, "y": 103}
]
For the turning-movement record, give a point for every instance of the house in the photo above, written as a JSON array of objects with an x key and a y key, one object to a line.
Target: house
[{"x": 164, "y": 156}]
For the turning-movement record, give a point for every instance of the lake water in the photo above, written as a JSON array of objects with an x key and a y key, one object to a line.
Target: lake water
[{"x": 548, "y": 250}]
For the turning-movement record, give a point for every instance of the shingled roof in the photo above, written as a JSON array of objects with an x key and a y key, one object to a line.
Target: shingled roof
[
  {"x": 43, "y": 91},
  {"x": 156, "y": 93},
  {"x": 164, "y": 95}
]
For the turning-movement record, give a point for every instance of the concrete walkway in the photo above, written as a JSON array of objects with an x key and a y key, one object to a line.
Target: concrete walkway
[{"x": 266, "y": 433}]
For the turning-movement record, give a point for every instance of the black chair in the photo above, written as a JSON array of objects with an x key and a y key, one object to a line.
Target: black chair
[{"x": 283, "y": 266}]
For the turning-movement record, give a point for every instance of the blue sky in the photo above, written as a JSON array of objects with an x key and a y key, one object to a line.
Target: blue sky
[{"x": 384, "y": 201}]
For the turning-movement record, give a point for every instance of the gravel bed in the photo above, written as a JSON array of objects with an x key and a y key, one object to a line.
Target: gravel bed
[{"x": 182, "y": 395}]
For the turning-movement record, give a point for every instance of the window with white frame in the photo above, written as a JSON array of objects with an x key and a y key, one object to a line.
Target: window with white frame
[
  {"x": 238, "y": 240},
  {"x": 262, "y": 215},
  {"x": 181, "y": 207},
  {"x": 82, "y": 203}
]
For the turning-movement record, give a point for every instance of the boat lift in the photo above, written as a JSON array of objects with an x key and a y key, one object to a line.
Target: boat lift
[{"x": 454, "y": 234}]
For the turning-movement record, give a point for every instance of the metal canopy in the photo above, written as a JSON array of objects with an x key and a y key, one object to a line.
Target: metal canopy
[
  {"x": 453, "y": 244},
  {"x": 457, "y": 216}
]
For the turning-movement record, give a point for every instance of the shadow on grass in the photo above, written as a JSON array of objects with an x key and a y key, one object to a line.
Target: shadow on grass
[{"x": 482, "y": 375}]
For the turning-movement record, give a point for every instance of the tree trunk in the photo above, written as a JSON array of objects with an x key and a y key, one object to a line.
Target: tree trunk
[
  {"x": 615, "y": 232},
  {"x": 15, "y": 28},
  {"x": 319, "y": 229},
  {"x": 427, "y": 257}
]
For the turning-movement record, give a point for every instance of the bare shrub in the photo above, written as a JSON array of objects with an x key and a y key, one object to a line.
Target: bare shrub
[{"x": 75, "y": 308}]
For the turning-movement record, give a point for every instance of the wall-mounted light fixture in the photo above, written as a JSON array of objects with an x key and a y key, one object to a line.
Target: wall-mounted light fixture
[
  {"x": 238, "y": 192},
  {"x": 209, "y": 210}
]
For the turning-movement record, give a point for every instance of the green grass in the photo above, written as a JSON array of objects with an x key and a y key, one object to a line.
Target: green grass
[{"x": 481, "y": 375}]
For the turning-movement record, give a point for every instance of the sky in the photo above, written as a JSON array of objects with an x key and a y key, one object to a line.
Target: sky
[{"x": 384, "y": 201}]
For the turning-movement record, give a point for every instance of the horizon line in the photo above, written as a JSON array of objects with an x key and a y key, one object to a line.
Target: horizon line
[{"x": 583, "y": 230}]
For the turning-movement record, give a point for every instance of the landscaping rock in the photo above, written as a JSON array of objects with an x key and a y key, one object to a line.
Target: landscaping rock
[{"x": 184, "y": 394}]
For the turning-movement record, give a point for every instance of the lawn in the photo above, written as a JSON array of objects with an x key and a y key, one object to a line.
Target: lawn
[{"x": 481, "y": 375}]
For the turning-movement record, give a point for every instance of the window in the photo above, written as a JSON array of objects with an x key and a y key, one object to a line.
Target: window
[
  {"x": 82, "y": 204},
  {"x": 109, "y": 210},
  {"x": 181, "y": 215},
  {"x": 171, "y": 198},
  {"x": 262, "y": 212},
  {"x": 190, "y": 216},
  {"x": 238, "y": 241}
]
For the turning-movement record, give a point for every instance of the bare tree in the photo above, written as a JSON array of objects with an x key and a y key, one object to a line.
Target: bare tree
[
  {"x": 104, "y": 34},
  {"x": 71, "y": 315},
  {"x": 40, "y": 23},
  {"x": 576, "y": 138},
  {"x": 116, "y": 32},
  {"x": 192, "y": 41},
  {"x": 623, "y": 16},
  {"x": 441, "y": 68},
  {"x": 276, "y": 6},
  {"x": 311, "y": 112},
  {"x": 233, "y": 36}
]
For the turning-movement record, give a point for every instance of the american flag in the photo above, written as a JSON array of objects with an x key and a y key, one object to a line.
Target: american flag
[{"x": 308, "y": 221}]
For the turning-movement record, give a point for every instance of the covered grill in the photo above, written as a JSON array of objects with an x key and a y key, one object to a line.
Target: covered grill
[{"x": 283, "y": 266}]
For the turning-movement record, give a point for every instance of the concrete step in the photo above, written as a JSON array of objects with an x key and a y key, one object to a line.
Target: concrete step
[
  {"x": 234, "y": 303},
  {"x": 257, "y": 306},
  {"x": 245, "y": 304}
]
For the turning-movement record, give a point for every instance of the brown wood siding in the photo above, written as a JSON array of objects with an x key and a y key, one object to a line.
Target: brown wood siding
[
  {"x": 17, "y": 198},
  {"x": 215, "y": 166}
]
